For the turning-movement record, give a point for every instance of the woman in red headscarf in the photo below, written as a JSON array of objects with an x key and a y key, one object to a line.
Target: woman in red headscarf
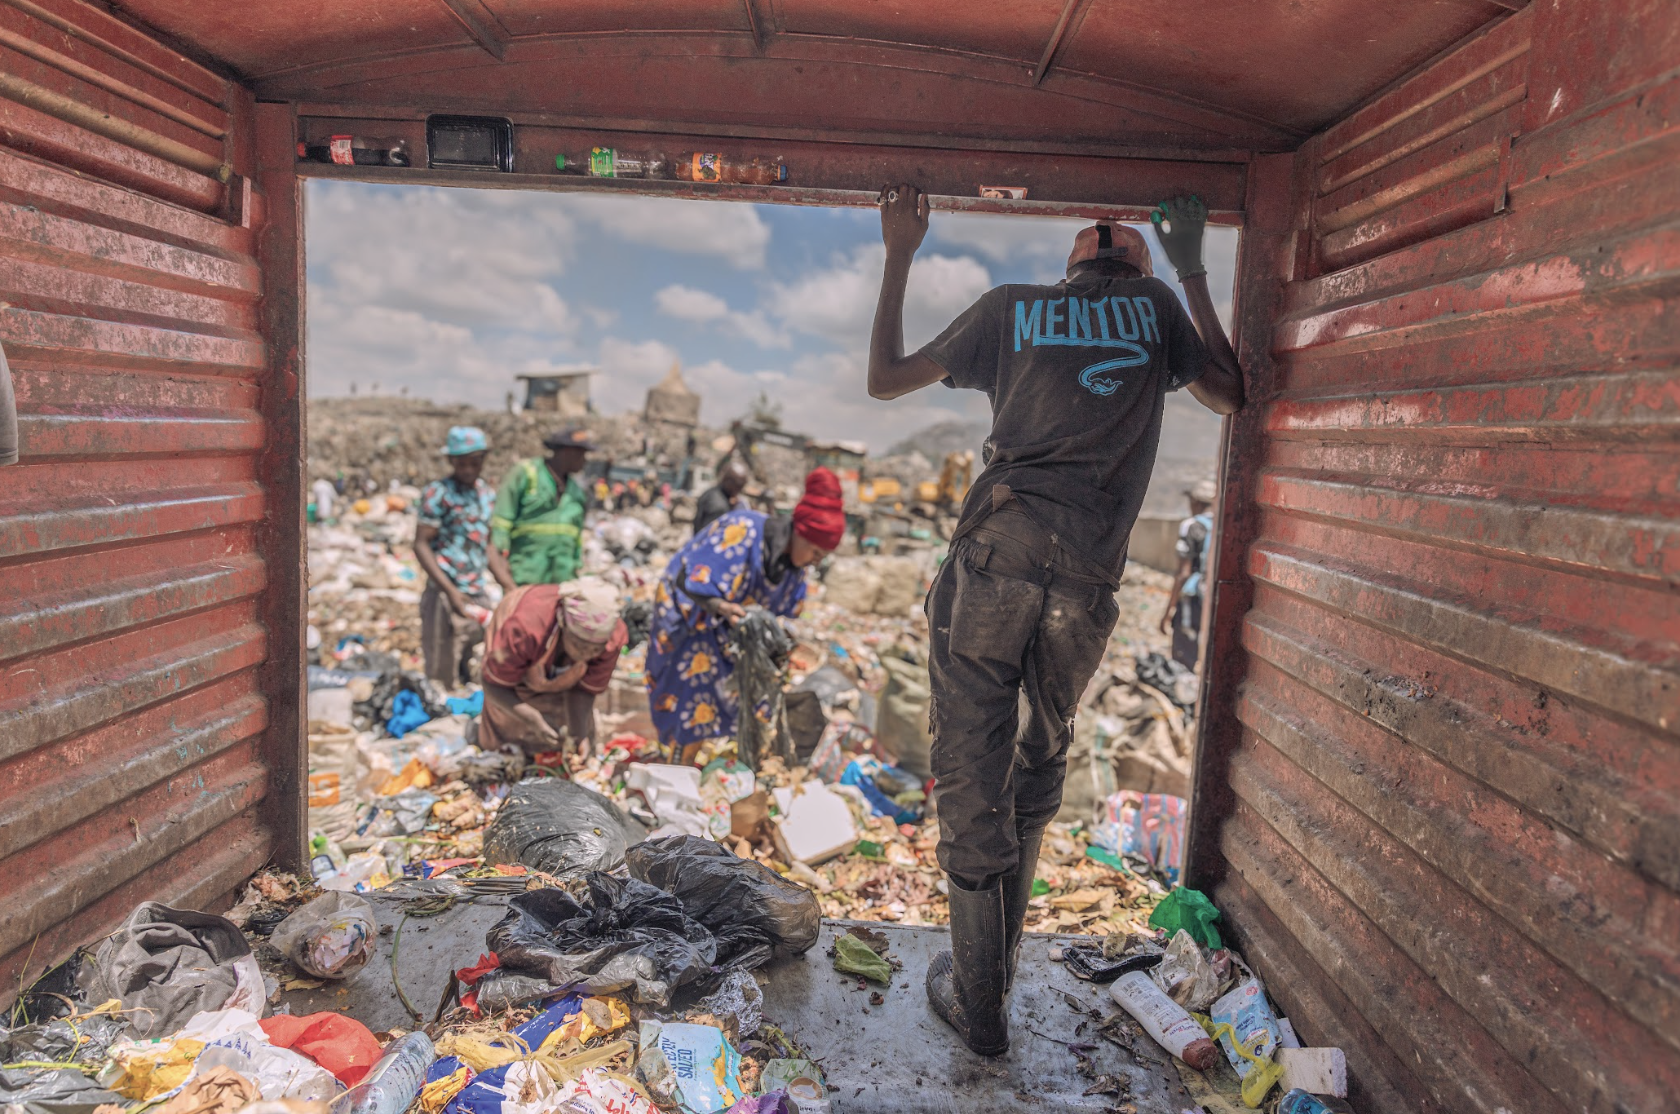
[{"x": 744, "y": 559}]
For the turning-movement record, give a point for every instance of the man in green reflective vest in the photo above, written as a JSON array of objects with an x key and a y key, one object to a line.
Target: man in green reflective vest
[{"x": 538, "y": 520}]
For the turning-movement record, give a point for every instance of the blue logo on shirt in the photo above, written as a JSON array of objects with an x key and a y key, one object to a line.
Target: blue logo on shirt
[
  {"x": 1085, "y": 323},
  {"x": 1093, "y": 380}
]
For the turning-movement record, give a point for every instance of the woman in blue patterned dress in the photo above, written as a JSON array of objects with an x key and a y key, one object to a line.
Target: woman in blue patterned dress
[{"x": 744, "y": 559}]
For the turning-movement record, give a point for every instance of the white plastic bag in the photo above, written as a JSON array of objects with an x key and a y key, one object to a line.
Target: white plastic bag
[
  {"x": 235, "y": 1041},
  {"x": 331, "y": 937}
]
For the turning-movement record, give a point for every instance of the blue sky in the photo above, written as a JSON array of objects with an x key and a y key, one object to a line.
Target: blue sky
[{"x": 450, "y": 293}]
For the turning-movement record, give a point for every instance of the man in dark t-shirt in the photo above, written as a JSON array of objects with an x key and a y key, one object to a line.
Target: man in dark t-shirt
[
  {"x": 719, "y": 499},
  {"x": 1077, "y": 375}
]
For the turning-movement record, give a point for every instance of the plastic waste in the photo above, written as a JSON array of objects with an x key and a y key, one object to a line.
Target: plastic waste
[
  {"x": 150, "y": 1070},
  {"x": 760, "y": 646},
  {"x": 691, "y": 1066},
  {"x": 331, "y": 937},
  {"x": 752, "y": 911},
  {"x": 407, "y": 713},
  {"x": 801, "y": 1080},
  {"x": 1300, "y": 1102},
  {"x": 738, "y": 1003},
  {"x": 1191, "y": 911},
  {"x": 861, "y": 773},
  {"x": 59, "y": 1041},
  {"x": 560, "y": 828},
  {"x": 672, "y": 792},
  {"x": 623, "y": 934},
  {"x": 901, "y": 720},
  {"x": 1164, "y": 1019},
  {"x": 1186, "y": 975},
  {"x": 1248, "y": 1031},
  {"x": 361, "y": 872},
  {"x": 340, "y": 1044},
  {"x": 597, "y": 1091},
  {"x": 394, "y": 1081},
  {"x": 65, "y": 1091},
  {"x": 771, "y": 1102},
  {"x": 854, "y": 957}
]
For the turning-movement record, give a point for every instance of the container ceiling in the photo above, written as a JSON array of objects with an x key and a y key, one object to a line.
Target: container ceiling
[{"x": 1245, "y": 74}]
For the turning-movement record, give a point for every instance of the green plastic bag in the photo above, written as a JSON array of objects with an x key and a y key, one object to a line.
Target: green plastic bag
[
  {"x": 1193, "y": 912},
  {"x": 854, "y": 957}
]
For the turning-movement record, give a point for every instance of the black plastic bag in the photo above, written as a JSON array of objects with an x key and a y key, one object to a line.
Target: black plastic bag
[
  {"x": 560, "y": 828},
  {"x": 754, "y": 912},
  {"x": 622, "y": 934},
  {"x": 760, "y": 647},
  {"x": 638, "y": 622},
  {"x": 59, "y": 1042},
  {"x": 66, "y": 1091},
  {"x": 1169, "y": 678}
]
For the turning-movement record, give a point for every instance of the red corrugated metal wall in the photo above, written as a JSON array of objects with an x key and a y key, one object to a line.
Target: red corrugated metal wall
[
  {"x": 1442, "y": 807},
  {"x": 133, "y": 752}
]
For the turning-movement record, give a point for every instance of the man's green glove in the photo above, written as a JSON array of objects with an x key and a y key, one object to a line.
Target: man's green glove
[{"x": 1182, "y": 241}]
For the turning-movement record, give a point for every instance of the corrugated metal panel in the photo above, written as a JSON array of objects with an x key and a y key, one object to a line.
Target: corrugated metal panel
[
  {"x": 1442, "y": 807},
  {"x": 132, "y": 581}
]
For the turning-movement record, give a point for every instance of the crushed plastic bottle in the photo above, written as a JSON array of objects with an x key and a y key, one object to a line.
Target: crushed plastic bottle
[
  {"x": 394, "y": 1081},
  {"x": 1300, "y": 1102}
]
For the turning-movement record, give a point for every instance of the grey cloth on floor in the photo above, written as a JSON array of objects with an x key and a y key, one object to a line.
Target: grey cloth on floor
[{"x": 167, "y": 965}]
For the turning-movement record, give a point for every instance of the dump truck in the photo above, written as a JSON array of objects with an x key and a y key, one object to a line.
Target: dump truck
[{"x": 1437, "y": 785}]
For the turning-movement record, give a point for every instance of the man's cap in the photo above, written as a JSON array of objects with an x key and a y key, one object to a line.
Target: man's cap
[
  {"x": 572, "y": 437},
  {"x": 1205, "y": 491},
  {"x": 464, "y": 440},
  {"x": 1107, "y": 240}
]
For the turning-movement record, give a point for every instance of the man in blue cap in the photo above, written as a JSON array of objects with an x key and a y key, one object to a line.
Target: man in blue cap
[{"x": 453, "y": 545}]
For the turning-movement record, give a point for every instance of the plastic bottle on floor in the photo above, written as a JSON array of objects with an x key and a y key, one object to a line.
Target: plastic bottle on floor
[{"x": 394, "y": 1081}]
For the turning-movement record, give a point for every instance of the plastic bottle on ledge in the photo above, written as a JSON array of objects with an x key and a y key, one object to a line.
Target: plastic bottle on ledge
[
  {"x": 701, "y": 166},
  {"x": 394, "y": 1081},
  {"x": 356, "y": 150},
  {"x": 609, "y": 162}
]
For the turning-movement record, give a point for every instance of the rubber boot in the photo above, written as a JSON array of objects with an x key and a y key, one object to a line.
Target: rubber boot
[
  {"x": 966, "y": 984},
  {"x": 1017, "y": 892}
]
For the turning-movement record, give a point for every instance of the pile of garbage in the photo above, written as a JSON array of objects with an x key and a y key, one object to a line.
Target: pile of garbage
[
  {"x": 623, "y": 985},
  {"x": 399, "y": 787},
  {"x": 1197, "y": 998}
]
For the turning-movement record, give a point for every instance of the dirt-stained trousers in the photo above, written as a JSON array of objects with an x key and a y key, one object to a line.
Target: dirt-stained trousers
[{"x": 1009, "y": 613}]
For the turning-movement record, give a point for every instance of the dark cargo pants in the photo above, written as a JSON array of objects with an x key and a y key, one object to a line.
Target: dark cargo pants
[{"x": 1009, "y": 614}]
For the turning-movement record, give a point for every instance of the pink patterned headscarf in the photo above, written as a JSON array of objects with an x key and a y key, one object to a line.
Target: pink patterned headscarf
[{"x": 589, "y": 608}]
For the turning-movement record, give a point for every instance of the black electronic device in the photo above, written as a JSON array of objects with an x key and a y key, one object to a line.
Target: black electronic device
[{"x": 469, "y": 143}]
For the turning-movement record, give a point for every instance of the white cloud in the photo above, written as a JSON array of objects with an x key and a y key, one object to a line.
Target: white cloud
[
  {"x": 838, "y": 304},
  {"x": 685, "y": 303},
  {"x": 453, "y": 255},
  {"x": 1041, "y": 243},
  {"x": 733, "y": 232}
]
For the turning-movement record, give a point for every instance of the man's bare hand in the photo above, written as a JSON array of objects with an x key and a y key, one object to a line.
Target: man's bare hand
[
  {"x": 904, "y": 218},
  {"x": 730, "y": 613}
]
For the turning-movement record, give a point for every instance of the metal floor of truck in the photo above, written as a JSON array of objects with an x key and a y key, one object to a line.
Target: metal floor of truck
[{"x": 891, "y": 1058}]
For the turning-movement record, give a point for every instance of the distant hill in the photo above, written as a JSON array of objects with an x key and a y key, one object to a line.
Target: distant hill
[{"x": 937, "y": 440}]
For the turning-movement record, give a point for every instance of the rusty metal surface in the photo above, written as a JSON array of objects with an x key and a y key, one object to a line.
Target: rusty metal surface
[
  {"x": 135, "y": 754},
  {"x": 1252, "y": 73},
  {"x": 1438, "y": 795}
]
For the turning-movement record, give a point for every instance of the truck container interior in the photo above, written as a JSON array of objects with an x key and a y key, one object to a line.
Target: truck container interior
[{"x": 1437, "y": 789}]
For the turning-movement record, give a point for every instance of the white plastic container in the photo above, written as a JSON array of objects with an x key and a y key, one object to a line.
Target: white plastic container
[{"x": 1164, "y": 1019}]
